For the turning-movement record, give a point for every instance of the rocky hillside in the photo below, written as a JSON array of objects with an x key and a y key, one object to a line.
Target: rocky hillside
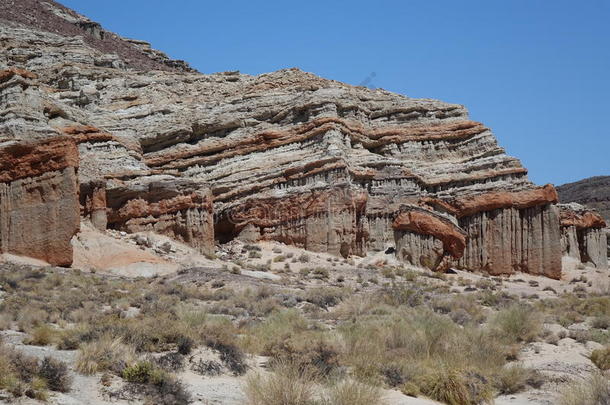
[
  {"x": 593, "y": 192},
  {"x": 51, "y": 17},
  {"x": 285, "y": 156}
]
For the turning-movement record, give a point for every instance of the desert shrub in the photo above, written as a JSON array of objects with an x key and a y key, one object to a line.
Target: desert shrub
[
  {"x": 105, "y": 354},
  {"x": 593, "y": 391},
  {"x": 320, "y": 273},
  {"x": 184, "y": 344},
  {"x": 325, "y": 297},
  {"x": 55, "y": 373},
  {"x": 37, "y": 389},
  {"x": 142, "y": 372},
  {"x": 601, "y": 358},
  {"x": 21, "y": 374},
  {"x": 70, "y": 339},
  {"x": 512, "y": 379},
  {"x": 398, "y": 294},
  {"x": 306, "y": 352},
  {"x": 288, "y": 384},
  {"x": 169, "y": 362},
  {"x": 42, "y": 335},
  {"x": 207, "y": 367},
  {"x": 400, "y": 348},
  {"x": 601, "y": 322},
  {"x": 275, "y": 328},
  {"x": 518, "y": 323},
  {"x": 352, "y": 392},
  {"x": 156, "y": 385},
  {"x": 304, "y": 258},
  {"x": 456, "y": 387},
  {"x": 232, "y": 357},
  {"x": 6, "y": 321}
]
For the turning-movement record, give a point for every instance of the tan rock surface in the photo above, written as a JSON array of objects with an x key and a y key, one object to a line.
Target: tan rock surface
[{"x": 286, "y": 156}]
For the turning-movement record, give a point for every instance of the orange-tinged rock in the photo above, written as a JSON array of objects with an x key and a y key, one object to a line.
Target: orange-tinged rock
[
  {"x": 33, "y": 159},
  {"x": 588, "y": 219},
  {"x": 418, "y": 221}
]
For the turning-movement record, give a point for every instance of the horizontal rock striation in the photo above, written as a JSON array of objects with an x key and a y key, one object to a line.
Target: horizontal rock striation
[
  {"x": 583, "y": 236},
  {"x": 165, "y": 205},
  {"x": 593, "y": 192},
  {"x": 427, "y": 239},
  {"x": 284, "y": 156}
]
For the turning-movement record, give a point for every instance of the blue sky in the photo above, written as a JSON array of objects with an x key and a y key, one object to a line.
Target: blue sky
[{"x": 536, "y": 72}]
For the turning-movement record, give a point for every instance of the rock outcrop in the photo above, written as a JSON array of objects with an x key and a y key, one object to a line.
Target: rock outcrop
[
  {"x": 39, "y": 211},
  {"x": 593, "y": 192},
  {"x": 582, "y": 235},
  {"x": 284, "y": 156}
]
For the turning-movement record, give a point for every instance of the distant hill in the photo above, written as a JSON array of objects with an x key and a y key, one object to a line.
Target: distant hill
[{"x": 593, "y": 192}]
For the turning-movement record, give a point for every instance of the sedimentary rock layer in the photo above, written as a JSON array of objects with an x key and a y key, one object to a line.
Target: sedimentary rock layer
[
  {"x": 507, "y": 240},
  {"x": 284, "y": 156},
  {"x": 583, "y": 236},
  {"x": 417, "y": 233},
  {"x": 593, "y": 192},
  {"x": 39, "y": 210},
  {"x": 164, "y": 205}
]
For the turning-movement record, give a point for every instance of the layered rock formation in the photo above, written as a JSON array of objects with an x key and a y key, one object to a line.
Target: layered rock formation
[
  {"x": 39, "y": 210},
  {"x": 593, "y": 192},
  {"x": 583, "y": 235},
  {"x": 284, "y": 156}
]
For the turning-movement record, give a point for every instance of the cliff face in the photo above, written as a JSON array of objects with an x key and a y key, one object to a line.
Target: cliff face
[
  {"x": 39, "y": 199},
  {"x": 286, "y": 156},
  {"x": 593, "y": 192}
]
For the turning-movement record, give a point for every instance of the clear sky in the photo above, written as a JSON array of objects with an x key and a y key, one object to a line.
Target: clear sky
[{"x": 536, "y": 72}]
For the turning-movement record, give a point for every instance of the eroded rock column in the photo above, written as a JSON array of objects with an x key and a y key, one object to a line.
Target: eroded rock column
[{"x": 39, "y": 208}]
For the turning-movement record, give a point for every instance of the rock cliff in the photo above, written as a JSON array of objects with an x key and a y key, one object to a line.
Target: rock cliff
[
  {"x": 284, "y": 156},
  {"x": 593, "y": 192}
]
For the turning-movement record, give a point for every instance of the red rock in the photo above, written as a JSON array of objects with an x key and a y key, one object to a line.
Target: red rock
[{"x": 39, "y": 210}]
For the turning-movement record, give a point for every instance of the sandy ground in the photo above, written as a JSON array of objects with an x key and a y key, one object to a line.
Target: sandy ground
[{"x": 149, "y": 255}]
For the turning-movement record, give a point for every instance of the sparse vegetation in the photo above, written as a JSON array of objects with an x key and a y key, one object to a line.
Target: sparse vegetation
[
  {"x": 595, "y": 390},
  {"x": 349, "y": 341},
  {"x": 601, "y": 358}
]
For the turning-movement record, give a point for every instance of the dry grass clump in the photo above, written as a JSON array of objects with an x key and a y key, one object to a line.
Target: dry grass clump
[
  {"x": 462, "y": 309},
  {"x": 55, "y": 374},
  {"x": 351, "y": 392},
  {"x": 518, "y": 323},
  {"x": 42, "y": 335},
  {"x": 514, "y": 378},
  {"x": 155, "y": 385},
  {"x": 287, "y": 337},
  {"x": 569, "y": 308},
  {"x": 288, "y": 384},
  {"x": 601, "y": 358},
  {"x": 457, "y": 387},
  {"x": 593, "y": 391},
  {"x": 325, "y": 297},
  {"x": 105, "y": 354},
  {"x": 23, "y": 375},
  {"x": 409, "y": 347}
]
